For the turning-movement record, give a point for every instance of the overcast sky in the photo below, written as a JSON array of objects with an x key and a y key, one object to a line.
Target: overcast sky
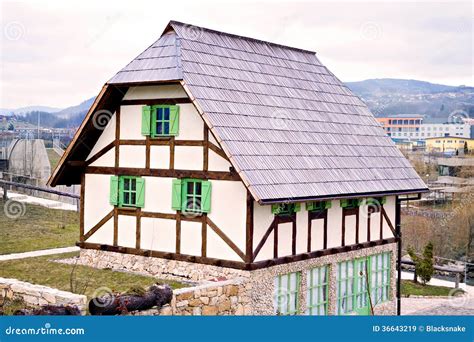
[{"x": 59, "y": 53}]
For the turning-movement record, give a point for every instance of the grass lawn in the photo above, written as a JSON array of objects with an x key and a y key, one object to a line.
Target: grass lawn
[
  {"x": 38, "y": 228},
  {"x": 409, "y": 288},
  {"x": 53, "y": 158},
  {"x": 77, "y": 279}
]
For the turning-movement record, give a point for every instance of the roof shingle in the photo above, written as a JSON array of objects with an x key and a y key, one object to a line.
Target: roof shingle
[{"x": 291, "y": 128}]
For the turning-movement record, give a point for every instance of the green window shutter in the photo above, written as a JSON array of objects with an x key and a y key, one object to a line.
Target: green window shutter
[
  {"x": 206, "y": 196},
  {"x": 275, "y": 209},
  {"x": 174, "y": 120},
  {"x": 176, "y": 194},
  {"x": 297, "y": 207},
  {"x": 114, "y": 190},
  {"x": 140, "y": 199},
  {"x": 146, "y": 120},
  {"x": 120, "y": 188}
]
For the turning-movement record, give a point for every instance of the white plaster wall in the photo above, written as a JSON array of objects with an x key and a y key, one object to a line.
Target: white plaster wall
[
  {"x": 108, "y": 159},
  {"x": 217, "y": 163},
  {"x": 96, "y": 199},
  {"x": 159, "y": 157},
  {"x": 263, "y": 217},
  {"x": 158, "y": 192},
  {"x": 389, "y": 207},
  {"x": 285, "y": 236},
  {"x": 363, "y": 223},
  {"x": 131, "y": 122},
  {"x": 212, "y": 139},
  {"x": 127, "y": 230},
  {"x": 317, "y": 234},
  {"x": 302, "y": 230},
  {"x": 155, "y": 92},
  {"x": 375, "y": 226},
  {"x": 334, "y": 225},
  {"x": 217, "y": 248},
  {"x": 132, "y": 156},
  {"x": 191, "y": 240},
  {"x": 351, "y": 221},
  {"x": 105, "y": 234},
  {"x": 229, "y": 210},
  {"x": 188, "y": 158},
  {"x": 107, "y": 136},
  {"x": 191, "y": 125},
  {"x": 158, "y": 234}
]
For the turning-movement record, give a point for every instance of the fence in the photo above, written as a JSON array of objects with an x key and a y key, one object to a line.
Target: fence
[{"x": 8, "y": 185}]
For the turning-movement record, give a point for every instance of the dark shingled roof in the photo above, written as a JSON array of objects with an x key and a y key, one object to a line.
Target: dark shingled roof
[{"x": 290, "y": 127}]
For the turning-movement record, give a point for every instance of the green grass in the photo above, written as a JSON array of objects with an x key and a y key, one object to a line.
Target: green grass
[
  {"x": 38, "y": 228},
  {"x": 53, "y": 158},
  {"x": 78, "y": 279},
  {"x": 409, "y": 288}
]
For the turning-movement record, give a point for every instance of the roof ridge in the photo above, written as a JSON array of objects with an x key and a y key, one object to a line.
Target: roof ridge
[{"x": 175, "y": 22}]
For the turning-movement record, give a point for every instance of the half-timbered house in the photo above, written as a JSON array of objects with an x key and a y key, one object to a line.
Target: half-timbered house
[{"x": 213, "y": 155}]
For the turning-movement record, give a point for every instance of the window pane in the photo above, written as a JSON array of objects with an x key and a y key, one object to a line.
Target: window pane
[
  {"x": 133, "y": 198},
  {"x": 133, "y": 184},
  {"x": 198, "y": 188},
  {"x": 159, "y": 128},
  {"x": 190, "y": 188},
  {"x": 126, "y": 197},
  {"x": 167, "y": 114},
  {"x": 159, "y": 114},
  {"x": 126, "y": 184},
  {"x": 166, "y": 128}
]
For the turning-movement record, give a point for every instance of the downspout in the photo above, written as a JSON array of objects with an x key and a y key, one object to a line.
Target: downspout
[{"x": 399, "y": 254}]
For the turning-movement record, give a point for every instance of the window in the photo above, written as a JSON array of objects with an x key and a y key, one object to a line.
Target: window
[
  {"x": 286, "y": 294},
  {"x": 191, "y": 195},
  {"x": 317, "y": 291},
  {"x": 127, "y": 191},
  {"x": 352, "y": 278},
  {"x": 345, "y": 287},
  {"x": 318, "y": 206},
  {"x": 160, "y": 121},
  {"x": 380, "y": 278},
  {"x": 285, "y": 209}
]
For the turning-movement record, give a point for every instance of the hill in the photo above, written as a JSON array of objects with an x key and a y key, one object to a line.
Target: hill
[{"x": 397, "y": 96}]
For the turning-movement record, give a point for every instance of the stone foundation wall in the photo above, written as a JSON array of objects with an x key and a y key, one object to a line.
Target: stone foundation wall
[
  {"x": 157, "y": 267},
  {"x": 255, "y": 288},
  {"x": 37, "y": 295}
]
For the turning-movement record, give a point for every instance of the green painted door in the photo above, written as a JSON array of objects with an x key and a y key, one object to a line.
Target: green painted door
[{"x": 362, "y": 283}]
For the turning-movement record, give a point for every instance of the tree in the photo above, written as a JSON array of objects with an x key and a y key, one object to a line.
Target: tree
[
  {"x": 11, "y": 127},
  {"x": 423, "y": 265}
]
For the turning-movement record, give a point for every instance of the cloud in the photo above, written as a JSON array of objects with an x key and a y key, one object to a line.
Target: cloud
[{"x": 60, "y": 53}]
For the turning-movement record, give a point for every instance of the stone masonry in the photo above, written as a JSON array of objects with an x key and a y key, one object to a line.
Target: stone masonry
[
  {"x": 226, "y": 291},
  {"x": 37, "y": 295}
]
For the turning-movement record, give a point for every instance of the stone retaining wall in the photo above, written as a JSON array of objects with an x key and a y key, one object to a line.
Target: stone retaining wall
[
  {"x": 229, "y": 297},
  {"x": 37, "y": 295}
]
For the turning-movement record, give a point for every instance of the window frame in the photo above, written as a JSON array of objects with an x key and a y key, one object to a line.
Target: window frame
[
  {"x": 123, "y": 191},
  {"x": 287, "y": 294},
  {"x": 359, "y": 291},
  {"x": 385, "y": 272},
  {"x": 195, "y": 198},
  {"x": 313, "y": 309},
  {"x": 154, "y": 121}
]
